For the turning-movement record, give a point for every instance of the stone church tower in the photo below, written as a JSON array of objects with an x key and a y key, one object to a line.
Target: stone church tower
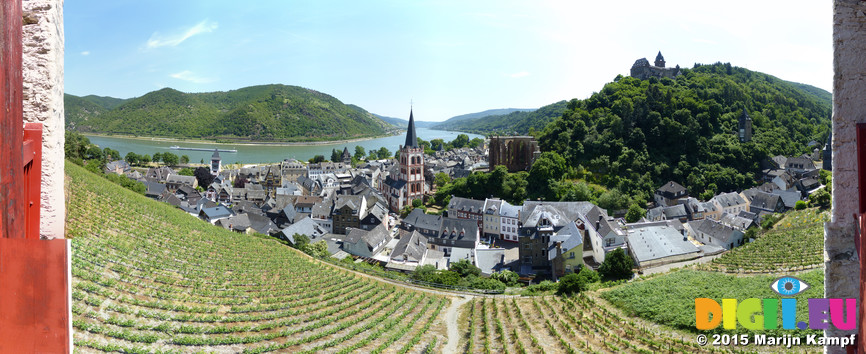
[{"x": 412, "y": 165}]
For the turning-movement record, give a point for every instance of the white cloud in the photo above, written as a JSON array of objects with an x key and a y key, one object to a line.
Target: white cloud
[
  {"x": 85, "y": 53},
  {"x": 187, "y": 75},
  {"x": 519, "y": 74},
  {"x": 156, "y": 40}
]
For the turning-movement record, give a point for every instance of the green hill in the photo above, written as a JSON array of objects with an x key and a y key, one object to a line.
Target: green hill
[
  {"x": 148, "y": 277},
  {"x": 518, "y": 122},
  {"x": 637, "y": 134},
  {"x": 257, "y": 113},
  {"x": 456, "y": 121}
]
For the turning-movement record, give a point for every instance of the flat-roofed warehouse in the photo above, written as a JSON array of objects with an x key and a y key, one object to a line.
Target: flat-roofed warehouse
[{"x": 654, "y": 244}]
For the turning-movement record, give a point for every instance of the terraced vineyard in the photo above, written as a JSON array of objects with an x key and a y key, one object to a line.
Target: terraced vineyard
[
  {"x": 553, "y": 324},
  {"x": 149, "y": 278},
  {"x": 797, "y": 243}
]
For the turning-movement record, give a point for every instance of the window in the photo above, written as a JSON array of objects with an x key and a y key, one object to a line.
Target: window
[
  {"x": 526, "y": 246},
  {"x": 527, "y": 259}
]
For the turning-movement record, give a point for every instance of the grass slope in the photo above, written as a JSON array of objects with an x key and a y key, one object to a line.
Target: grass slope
[
  {"x": 670, "y": 299},
  {"x": 150, "y": 278},
  {"x": 796, "y": 243}
]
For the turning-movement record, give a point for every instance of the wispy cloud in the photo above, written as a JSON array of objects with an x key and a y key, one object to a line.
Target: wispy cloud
[
  {"x": 187, "y": 75},
  {"x": 519, "y": 74},
  {"x": 85, "y": 53},
  {"x": 158, "y": 40}
]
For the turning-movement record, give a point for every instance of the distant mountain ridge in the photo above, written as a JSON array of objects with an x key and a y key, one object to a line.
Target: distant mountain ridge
[
  {"x": 255, "y": 113},
  {"x": 403, "y": 123},
  {"x": 520, "y": 122},
  {"x": 451, "y": 123}
]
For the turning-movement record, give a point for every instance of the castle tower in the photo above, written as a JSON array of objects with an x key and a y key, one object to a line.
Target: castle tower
[
  {"x": 412, "y": 165},
  {"x": 828, "y": 153},
  {"x": 745, "y": 127},
  {"x": 215, "y": 163},
  {"x": 346, "y": 156},
  {"x": 660, "y": 60}
]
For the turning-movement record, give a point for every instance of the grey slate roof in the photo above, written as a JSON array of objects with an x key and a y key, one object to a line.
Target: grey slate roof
[
  {"x": 466, "y": 205},
  {"x": 655, "y": 242},
  {"x": 671, "y": 188},
  {"x": 240, "y": 222},
  {"x": 715, "y": 229},
  {"x": 262, "y": 224},
  {"x": 452, "y": 228},
  {"x": 421, "y": 220},
  {"x": 508, "y": 210},
  {"x": 490, "y": 260},
  {"x": 789, "y": 198},
  {"x": 729, "y": 199},
  {"x": 371, "y": 238},
  {"x": 305, "y": 226},
  {"x": 571, "y": 210},
  {"x": 764, "y": 200},
  {"x": 410, "y": 247},
  {"x": 675, "y": 212},
  {"x": 217, "y": 212}
]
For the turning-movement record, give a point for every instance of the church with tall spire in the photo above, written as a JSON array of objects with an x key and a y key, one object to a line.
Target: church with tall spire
[{"x": 406, "y": 182}]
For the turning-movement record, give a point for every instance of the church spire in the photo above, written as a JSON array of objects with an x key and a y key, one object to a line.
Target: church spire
[{"x": 411, "y": 137}]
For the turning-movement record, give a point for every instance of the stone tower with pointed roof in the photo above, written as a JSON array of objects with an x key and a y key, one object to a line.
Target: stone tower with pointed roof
[
  {"x": 642, "y": 69},
  {"x": 408, "y": 183},
  {"x": 744, "y": 127},
  {"x": 660, "y": 60},
  {"x": 827, "y": 164},
  {"x": 215, "y": 162}
]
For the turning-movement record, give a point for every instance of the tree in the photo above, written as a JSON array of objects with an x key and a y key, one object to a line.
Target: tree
[
  {"x": 574, "y": 283},
  {"x": 336, "y": 156},
  {"x": 424, "y": 273},
  {"x": 475, "y": 142},
  {"x": 157, "y": 157},
  {"x": 186, "y": 171},
  {"x": 799, "y": 205},
  {"x": 437, "y": 144},
  {"x": 300, "y": 240},
  {"x": 635, "y": 212},
  {"x": 506, "y": 276},
  {"x": 384, "y": 153},
  {"x": 617, "y": 265},
  {"x": 169, "y": 159},
  {"x": 132, "y": 158},
  {"x": 460, "y": 141},
  {"x": 239, "y": 183},
  {"x": 417, "y": 203},
  {"x": 465, "y": 268},
  {"x": 441, "y": 179},
  {"x": 549, "y": 167},
  {"x": 373, "y": 155},
  {"x": 144, "y": 160},
  {"x": 360, "y": 152},
  {"x": 820, "y": 198},
  {"x": 184, "y": 159},
  {"x": 202, "y": 174},
  {"x": 317, "y": 159}
]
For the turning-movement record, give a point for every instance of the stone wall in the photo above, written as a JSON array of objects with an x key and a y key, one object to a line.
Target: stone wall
[
  {"x": 849, "y": 89},
  {"x": 43, "y": 102}
]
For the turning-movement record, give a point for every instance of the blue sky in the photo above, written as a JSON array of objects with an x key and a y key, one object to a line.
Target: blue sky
[{"x": 448, "y": 57}]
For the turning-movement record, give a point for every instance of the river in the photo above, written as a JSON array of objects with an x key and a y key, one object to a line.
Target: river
[{"x": 263, "y": 153}]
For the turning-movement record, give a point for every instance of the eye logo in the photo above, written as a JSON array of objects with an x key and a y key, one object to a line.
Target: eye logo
[{"x": 789, "y": 286}]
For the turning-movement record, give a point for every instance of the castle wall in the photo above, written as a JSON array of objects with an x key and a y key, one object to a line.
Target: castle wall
[
  {"x": 43, "y": 102},
  {"x": 841, "y": 263}
]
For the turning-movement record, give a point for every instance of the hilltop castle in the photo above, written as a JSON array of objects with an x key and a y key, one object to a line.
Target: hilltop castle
[{"x": 643, "y": 70}]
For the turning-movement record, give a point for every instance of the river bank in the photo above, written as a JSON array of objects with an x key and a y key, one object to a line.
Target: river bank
[
  {"x": 257, "y": 152},
  {"x": 240, "y": 142}
]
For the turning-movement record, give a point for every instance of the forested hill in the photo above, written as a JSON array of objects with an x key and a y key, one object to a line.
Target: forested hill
[
  {"x": 257, "y": 113},
  {"x": 517, "y": 123},
  {"x": 459, "y": 121},
  {"x": 636, "y": 134}
]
